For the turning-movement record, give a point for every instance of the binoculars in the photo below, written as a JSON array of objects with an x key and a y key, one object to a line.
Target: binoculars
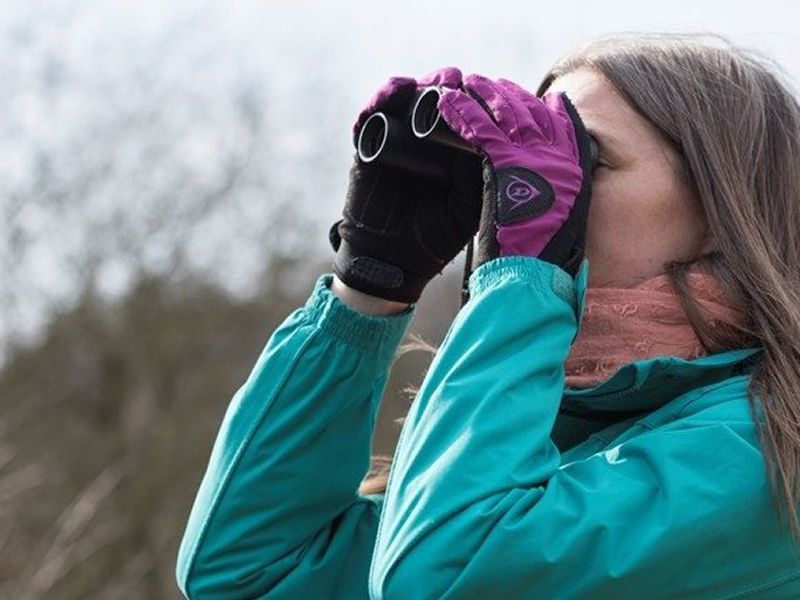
[{"x": 420, "y": 141}]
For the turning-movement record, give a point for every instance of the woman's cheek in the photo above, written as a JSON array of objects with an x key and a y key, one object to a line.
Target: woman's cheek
[
  {"x": 614, "y": 220},
  {"x": 608, "y": 198}
]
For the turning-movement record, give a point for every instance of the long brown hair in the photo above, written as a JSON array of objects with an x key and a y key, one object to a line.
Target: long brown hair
[{"x": 734, "y": 119}]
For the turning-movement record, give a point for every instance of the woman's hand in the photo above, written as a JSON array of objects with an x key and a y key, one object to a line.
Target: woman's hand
[
  {"x": 399, "y": 230},
  {"x": 536, "y": 169}
]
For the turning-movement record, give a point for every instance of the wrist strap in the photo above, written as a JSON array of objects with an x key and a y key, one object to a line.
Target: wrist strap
[{"x": 376, "y": 277}]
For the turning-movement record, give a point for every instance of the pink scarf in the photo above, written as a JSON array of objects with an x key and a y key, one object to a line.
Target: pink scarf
[{"x": 622, "y": 325}]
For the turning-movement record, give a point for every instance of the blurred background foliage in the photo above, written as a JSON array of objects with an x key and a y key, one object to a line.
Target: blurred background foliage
[
  {"x": 169, "y": 174},
  {"x": 108, "y": 422}
]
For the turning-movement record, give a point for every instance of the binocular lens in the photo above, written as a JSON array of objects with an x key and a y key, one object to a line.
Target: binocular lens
[
  {"x": 426, "y": 114},
  {"x": 373, "y": 136}
]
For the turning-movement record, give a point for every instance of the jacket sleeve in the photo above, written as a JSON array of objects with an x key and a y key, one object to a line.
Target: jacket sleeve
[
  {"x": 478, "y": 504},
  {"x": 277, "y": 513}
]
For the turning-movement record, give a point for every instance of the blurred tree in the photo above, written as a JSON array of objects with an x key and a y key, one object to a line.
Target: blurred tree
[{"x": 106, "y": 426}]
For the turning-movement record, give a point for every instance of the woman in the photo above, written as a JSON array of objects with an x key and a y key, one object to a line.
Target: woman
[{"x": 612, "y": 414}]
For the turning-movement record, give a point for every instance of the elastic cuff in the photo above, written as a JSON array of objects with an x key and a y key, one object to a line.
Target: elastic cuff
[
  {"x": 377, "y": 333},
  {"x": 545, "y": 276}
]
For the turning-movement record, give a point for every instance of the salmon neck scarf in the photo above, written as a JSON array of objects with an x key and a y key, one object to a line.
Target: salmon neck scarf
[{"x": 622, "y": 325}]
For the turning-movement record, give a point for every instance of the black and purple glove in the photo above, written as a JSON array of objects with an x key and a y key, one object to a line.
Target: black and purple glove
[
  {"x": 400, "y": 230},
  {"x": 536, "y": 169}
]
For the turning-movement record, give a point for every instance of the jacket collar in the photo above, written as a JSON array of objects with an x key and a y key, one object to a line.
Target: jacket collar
[{"x": 645, "y": 385}]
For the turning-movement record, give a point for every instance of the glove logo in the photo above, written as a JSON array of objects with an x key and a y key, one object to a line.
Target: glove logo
[
  {"x": 521, "y": 195},
  {"x": 520, "y": 191}
]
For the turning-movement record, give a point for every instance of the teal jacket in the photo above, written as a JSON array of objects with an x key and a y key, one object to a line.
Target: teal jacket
[{"x": 505, "y": 484}]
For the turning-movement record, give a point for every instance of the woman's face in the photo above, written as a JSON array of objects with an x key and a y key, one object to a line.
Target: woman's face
[{"x": 641, "y": 215}]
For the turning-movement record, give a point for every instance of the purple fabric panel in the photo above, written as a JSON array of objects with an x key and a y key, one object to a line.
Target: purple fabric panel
[{"x": 516, "y": 129}]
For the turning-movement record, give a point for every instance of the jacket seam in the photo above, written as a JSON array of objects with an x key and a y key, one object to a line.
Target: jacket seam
[
  {"x": 713, "y": 388},
  {"x": 681, "y": 409},
  {"x": 764, "y": 585},
  {"x": 627, "y": 431}
]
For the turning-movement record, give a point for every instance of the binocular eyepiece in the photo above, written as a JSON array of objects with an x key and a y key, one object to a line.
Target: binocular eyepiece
[{"x": 420, "y": 142}]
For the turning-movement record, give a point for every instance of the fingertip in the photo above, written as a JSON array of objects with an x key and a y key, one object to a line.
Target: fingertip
[
  {"x": 452, "y": 77},
  {"x": 555, "y": 100},
  {"x": 449, "y": 77},
  {"x": 480, "y": 86},
  {"x": 476, "y": 78},
  {"x": 401, "y": 81}
]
